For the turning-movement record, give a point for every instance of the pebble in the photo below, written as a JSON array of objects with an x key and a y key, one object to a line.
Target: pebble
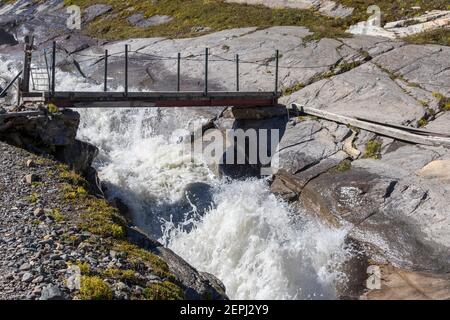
[
  {"x": 25, "y": 267},
  {"x": 27, "y": 277},
  {"x": 30, "y": 178}
]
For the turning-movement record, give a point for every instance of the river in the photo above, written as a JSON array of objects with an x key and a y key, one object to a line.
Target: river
[{"x": 258, "y": 245}]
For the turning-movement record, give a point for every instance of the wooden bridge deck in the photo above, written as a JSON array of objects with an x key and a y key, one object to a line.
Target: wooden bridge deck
[{"x": 152, "y": 99}]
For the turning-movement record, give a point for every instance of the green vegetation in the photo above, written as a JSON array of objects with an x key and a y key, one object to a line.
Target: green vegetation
[
  {"x": 56, "y": 215},
  {"x": 290, "y": 90},
  {"x": 123, "y": 275},
  {"x": 138, "y": 255},
  {"x": 373, "y": 150},
  {"x": 85, "y": 268},
  {"x": 33, "y": 197},
  {"x": 441, "y": 36},
  {"x": 422, "y": 122},
  {"x": 163, "y": 291},
  {"x": 188, "y": 15},
  {"x": 52, "y": 108},
  {"x": 196, "y": 17},
  {"x": 94, "y": 288},
  {"x": 71, "y": 177},
  {"x": 443, "y": 101},
  {"x": 343, "y": 166},
  {"x": 99, "y": 218}
]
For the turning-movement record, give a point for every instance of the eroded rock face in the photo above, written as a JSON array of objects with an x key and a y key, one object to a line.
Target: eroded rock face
[
  {"x": 56, "y": 130},
  {"x": 397, "y": 213},
  {"x": 52, "y": 134}
]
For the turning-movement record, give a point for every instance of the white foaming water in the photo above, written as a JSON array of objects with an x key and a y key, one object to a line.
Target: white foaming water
[
  {"x": 256, "y": 244},
  {"x": 260, "y": 248}
]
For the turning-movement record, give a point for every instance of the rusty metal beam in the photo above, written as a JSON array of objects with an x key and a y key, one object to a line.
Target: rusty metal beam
[{"x": 154, "y": 99}]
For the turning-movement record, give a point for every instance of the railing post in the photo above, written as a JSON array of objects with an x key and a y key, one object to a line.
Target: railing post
[
  {"x": 237, "y": 73},
  {"x": 54, "y": 67},
  {"x": 206, "y": 71},
  {"x": 126, "y": 69},
  {"x": 106, "y": 72},
  {"x": 25, "y": 87},
  {"x": 178, "y": 71},
  {"x": 47, "y": 69},
  {"x": 277, "y": 55}
]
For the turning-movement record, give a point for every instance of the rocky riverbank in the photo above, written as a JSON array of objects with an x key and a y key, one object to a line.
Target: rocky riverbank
[{"x": 61, "y": 240}]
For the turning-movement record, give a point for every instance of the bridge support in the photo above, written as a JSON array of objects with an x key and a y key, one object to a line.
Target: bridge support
[{"x": 26, "y": 73}]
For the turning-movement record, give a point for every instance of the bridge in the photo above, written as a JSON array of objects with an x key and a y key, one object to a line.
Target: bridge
[{"x": 43, "y": 80}]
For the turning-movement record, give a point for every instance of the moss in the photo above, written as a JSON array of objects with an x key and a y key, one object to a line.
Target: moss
[
  {"x": 441, "y": 37},
  {"x": 163, "y": 291},
  {"x": 347, "y": 66},
  {"x": 422, "y": 122},
  {"x": 373, "y": 149},
  {"x": 36, "y": 222},
  {"x": 424, "y": 103},
  {"x": 94, "y": 288},
  {"x": 101, "y": 219},
  {"x": 33, "y": 197},
  {"x": 56, "y": 215},
  {"x": 52, "y": 108},
  {"x": 443, "y": 101},
  {"x": 290, "y": 90},
  {"x": 343, "y": 166},
  {"x": 85, "y": 268},
  {"x": 138, "y": 255},
  {"x": 123, "y": 275},
  {"x": 71, "y": 177},
  {"x": 305, "y": 118}
]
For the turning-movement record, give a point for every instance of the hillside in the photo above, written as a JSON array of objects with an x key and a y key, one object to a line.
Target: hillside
[{"x": 196, "y": 17}]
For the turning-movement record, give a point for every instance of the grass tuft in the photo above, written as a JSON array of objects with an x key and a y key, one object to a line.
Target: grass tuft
[
  {"x": 163, "y": 291},
  {"x": 94, "y": 288},
  {"x": 373, "y": 150}
]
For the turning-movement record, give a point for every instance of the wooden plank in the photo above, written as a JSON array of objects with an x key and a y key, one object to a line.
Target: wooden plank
[
  {"x": 410, "y": 129},
  {"x": 376, "y": 128}
]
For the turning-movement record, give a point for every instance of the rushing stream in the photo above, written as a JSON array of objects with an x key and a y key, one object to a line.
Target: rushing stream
[{"x": 259, "y": 246}]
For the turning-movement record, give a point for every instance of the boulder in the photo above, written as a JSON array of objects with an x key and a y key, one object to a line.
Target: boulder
[
  {"x": 402, "y": 218},
  {"x": 79, "y": 155},
  {"x": 439, "y": 169},
  {"x": 52, "y": 292},
  {"x": 59, "y": 129},
  {"x": 95, "y": 11},
  {"x": 306, "y": 143},
  {"x": 139, "y": 20}
]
